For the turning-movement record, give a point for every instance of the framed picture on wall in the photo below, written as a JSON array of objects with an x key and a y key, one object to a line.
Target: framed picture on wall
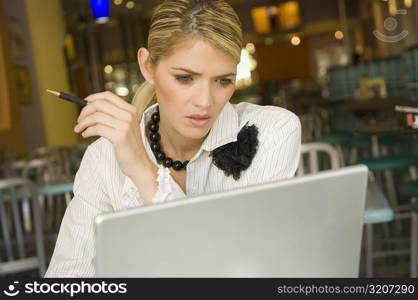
[
  {"x": 23, "y": 86},
  {"x": 17, "y": 43}
]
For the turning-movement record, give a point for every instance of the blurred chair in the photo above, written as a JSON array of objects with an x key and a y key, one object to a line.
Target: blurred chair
[
  {"x": 61, "y": 194},
  {"x": 54, "y": 192},
  {"x": 64, "y": 160},
  {"x": 410, "y": 190},
  {"x": 400, "y": 212},
  {"x": 13, "y": 168},
  {"x": 56, "y": 157},
  {"x": 414, "y": 241},
  {"x": 315, "y": 157},
  {"x": 311, "y": 127},
  {"x": 40, "y": 172},
  {"x": 387, "y": 164},
  {"x": 43, "y": 174},
  {"x": 16, "y": 252},
  {"x": 73, "y": 157},
  {"x": 340, "y": 135},
  {"x": 7, "y": 155},
  {"x": 378, "y": 211}
]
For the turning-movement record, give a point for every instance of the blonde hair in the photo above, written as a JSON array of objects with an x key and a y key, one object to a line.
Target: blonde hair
[{"x": 213, "y": 21}]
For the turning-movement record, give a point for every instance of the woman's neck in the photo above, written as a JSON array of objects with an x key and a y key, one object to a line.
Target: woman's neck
[{"x": 177, "y": 146}]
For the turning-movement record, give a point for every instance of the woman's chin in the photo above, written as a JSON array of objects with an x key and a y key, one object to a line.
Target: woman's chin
[{"x": 196, "y": 133}]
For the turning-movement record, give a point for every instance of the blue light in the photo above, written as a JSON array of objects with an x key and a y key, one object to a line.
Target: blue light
[{"x": 100, "y": 10}]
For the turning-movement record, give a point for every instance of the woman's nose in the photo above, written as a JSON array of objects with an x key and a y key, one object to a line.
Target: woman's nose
[{"x": 204, "y": 96}]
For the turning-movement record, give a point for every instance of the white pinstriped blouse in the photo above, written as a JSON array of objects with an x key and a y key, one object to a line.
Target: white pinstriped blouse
[{"x": 101, "y": 187}]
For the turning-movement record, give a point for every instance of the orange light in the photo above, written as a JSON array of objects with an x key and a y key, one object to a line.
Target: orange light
[
  {"x": 408, "y": 3},
  {"x": 339, "y": 35},
  {"x": 130, "y": 4},
  {"x": 69, "y": 45},
  {"x": 261, "y": 19},
  {"x": 250, "y": 48},
  {"x": 295, "y": 40},
  {"x": 393, "y": 7},
  {"x": 288, "y": 14}
]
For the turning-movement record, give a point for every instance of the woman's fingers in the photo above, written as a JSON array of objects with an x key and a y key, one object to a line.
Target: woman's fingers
[
  {"x": 105, "y": 106},
  {"x": 108, "y": 116},
  {"x": 101, "y": 130},
  {"x": 99, "y": 118},
  {"x": 119, "y": 102}
]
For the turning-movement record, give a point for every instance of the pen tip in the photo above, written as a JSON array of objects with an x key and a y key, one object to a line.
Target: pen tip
[{"x": 53, "y": 92}]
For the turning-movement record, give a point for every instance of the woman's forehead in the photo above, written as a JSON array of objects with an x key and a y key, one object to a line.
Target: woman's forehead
[{"x": 199, "y": 56}]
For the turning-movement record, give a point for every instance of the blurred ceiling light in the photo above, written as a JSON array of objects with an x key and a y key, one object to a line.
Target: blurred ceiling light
[
  {"x": 100, "y": 9},
  {"x": 130, "y": 4},
  {"x": 268, "y": 41},
  {"x": 250, "y": 48},
  {"x": 102, "y": 20},
  {"x": 288, "y": 14},
  {"x": 408, "y": 3},
  {"x": 108, "y": 69},
  {"x": 295, "y": 40},
  {"x": 393, "y": 7},
  {"x": 261, "y": 19},
  {"x": 122, "y": 90},
  {"x": 117, "y": 2},
  {"x": 339, "y": 35}
]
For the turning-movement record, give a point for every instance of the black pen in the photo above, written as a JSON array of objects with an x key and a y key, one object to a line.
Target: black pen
[{"x": 69, "y": 97}]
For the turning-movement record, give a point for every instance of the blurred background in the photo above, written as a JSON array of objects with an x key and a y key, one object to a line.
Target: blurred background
[{"x": 347, "y": 68}]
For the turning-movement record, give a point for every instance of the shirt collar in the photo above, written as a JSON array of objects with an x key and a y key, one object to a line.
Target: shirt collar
[{"x": 224, "y": 130}]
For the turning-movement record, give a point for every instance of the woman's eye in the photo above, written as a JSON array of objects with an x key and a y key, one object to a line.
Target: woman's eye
[
  {"x": 187, "y": 78},
  {"x": 183, "y": 78},
  {"x": 225, "y": 81}
]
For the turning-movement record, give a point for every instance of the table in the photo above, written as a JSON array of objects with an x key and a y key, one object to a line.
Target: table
[
  {"x": 382, "y": 128},
  {"x": 358, "y": 104},
  {"x": 378, "y": 104},
  {"x": 377, "y": 208},
  {"x": 387, "y": 127}
]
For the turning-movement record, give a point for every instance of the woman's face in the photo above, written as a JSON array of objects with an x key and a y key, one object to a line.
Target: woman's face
[{"x": 192, "y": 86}]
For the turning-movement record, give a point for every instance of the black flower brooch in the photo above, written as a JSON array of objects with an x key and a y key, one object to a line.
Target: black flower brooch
[{"x": 237, "y": 156}]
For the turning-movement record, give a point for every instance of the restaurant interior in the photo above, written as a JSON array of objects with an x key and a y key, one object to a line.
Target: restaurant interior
[{"x": 347, "y": 68}]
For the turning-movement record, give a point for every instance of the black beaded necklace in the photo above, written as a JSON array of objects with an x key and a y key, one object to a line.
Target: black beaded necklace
[{"x": 156, "y": 147}]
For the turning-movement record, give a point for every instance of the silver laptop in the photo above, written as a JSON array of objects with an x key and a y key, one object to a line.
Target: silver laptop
[{"x": 303, "y": 227}]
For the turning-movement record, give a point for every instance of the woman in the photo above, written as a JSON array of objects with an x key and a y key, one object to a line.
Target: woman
[{"x": 190, "y": 142}]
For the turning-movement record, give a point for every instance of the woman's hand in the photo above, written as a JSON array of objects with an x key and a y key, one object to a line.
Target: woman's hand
[{"x": 111, "y": 117}]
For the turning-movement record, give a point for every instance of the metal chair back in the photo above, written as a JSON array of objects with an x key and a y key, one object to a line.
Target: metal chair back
[
  {"x": 310, "y": 158},
  {"x": 15, "y": 244}
]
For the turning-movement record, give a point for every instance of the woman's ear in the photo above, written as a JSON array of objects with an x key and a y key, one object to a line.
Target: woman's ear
[{"x": 145, "y": 65}]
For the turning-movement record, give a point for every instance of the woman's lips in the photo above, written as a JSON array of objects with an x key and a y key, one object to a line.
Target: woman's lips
[{"x": 198, "y": 121}]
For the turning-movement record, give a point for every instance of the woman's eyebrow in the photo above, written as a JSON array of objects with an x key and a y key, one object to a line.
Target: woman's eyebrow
[{"x": 197, "y": 74}]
